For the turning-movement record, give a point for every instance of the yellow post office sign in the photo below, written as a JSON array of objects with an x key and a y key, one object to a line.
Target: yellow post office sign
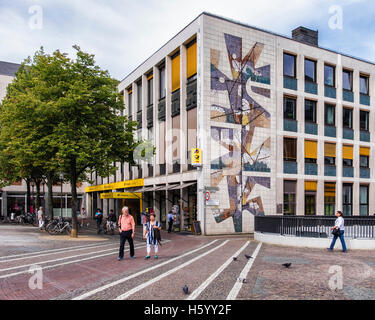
[{"x": 196, "y": 157}]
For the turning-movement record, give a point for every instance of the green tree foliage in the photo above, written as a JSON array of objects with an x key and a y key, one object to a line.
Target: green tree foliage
[{"x": 65, "y": 115}]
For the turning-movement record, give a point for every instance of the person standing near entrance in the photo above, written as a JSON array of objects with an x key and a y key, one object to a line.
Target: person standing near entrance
[
  {"x": 99, "y": 219},
  {"x": 150, "y": 235},
  {"x": 170, "y": 221},
  {"x": 41, "y": 218},
  {"x": 83, "y": 217},
  {"x": 338, "y": 232},
  {"x": 126, "y": 226}
]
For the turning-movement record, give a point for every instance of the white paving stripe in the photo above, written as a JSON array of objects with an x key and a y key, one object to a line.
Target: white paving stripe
[
  {"x": 152, "y": 281},
  {"x": 58, "y": 252},
  {"x": 238, "y": 285},
  {"x": 52, "y": 250},
  {"x": 65, "y": 263},
  {"x": 112, "y": 284},
  {"x": 206, "y": 283}
]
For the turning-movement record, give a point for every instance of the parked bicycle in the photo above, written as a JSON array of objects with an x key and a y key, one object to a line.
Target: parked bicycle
[{"x": 59, "y": 226}]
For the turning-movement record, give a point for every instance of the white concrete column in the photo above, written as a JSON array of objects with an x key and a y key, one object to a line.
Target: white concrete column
[
  {"x": 156, "y": 121},
  {"x": 183, "y": 112},
  {"x": 320, "y": 198},
  {"x": 168, "y": 117}
]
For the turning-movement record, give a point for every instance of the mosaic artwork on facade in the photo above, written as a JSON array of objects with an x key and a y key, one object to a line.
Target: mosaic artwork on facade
[{"x": 240, "y": 149}]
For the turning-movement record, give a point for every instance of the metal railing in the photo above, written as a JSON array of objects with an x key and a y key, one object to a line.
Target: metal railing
[{"x": 316, "y": 227}]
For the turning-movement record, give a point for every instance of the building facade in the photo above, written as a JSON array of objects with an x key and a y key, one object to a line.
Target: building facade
[
  {"x": 13, "y": 199},
  {"x": 284, "y": 126}
]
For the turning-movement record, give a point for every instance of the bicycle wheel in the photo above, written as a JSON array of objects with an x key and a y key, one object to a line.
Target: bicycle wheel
[
  {"x": 68, "y": 230},
  {"x": 52, "y": 229}
]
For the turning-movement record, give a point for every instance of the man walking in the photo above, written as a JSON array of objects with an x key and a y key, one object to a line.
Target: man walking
[
  {"x": 126, "y": 226},
  {"x": 170, "y": 221}
]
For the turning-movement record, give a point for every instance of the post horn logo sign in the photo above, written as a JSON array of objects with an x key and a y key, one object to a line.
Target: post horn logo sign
[{"x": 196, "y": 157}]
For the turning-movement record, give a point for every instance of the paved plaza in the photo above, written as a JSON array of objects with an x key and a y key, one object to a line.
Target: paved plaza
[{"x": 87, "y": 268}]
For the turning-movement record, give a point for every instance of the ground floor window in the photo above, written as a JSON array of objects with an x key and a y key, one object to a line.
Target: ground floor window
[
  {"x": 329, "y": 198},
  {"x": 363, "y": 199},
  {"x": 347, "y": 202},
  {"x": 289, "y": 198},
  {"x": 310, "y": 197}
]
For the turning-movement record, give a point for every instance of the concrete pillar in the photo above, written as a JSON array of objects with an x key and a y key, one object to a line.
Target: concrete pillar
[
  {"x": 168, "y": 117},
  {"x": 320, "y": 199},
  {"x": 4, "y": 204}
]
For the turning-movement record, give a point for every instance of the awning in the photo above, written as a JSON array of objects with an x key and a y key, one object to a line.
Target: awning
[
  {"x": 183, "y": 186},
  {"x": 145, "y": 189},
  {"x": 170, "y": 187}
]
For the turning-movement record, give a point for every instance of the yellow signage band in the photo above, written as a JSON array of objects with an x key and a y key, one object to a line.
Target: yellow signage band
[{"x": 117, "y": 185}]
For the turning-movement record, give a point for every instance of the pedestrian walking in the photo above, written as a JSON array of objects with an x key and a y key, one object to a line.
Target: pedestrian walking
[
  {"x": 338, "y": 232},
  {"x": 151, "y": 235},
  {"x": 170, "y": 221},
  {"x": 99, "y": 219},
  {"x": 83, "y": 217},
  {"x": 41, "y": 218},
  {"x": 126, "y": 226}
]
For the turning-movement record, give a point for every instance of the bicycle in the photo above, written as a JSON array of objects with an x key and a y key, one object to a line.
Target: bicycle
[{"x": 59, "y": 226}]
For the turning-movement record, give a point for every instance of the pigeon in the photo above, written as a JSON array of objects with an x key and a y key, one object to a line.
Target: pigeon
[
  {"x": 242, "y": 280},
  {"x": 248, "y": 257},
  {"x": 185, "y": 289},
  {"x": 287, "y": 265},
  {"x": 234, "y": 258}
]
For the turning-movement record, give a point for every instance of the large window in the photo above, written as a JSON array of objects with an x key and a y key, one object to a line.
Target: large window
[
  {"x": 310, "y": 70},
  {"x": 363, "y": 199},
  {"x": 311, "y": 151},
  {"x": 310, "y": 111},
  {"x": 130, "y": 103},
  {"x": 290, "y": 149},
  {"x": 289, "y": 198},
  {"x": 347, "y": 201},
  {"x": 139, "y": 96},
  {"x": 347, "y": 156},
  {"x": 330, "y": 116},
  {"x": 329, "y": 76},
  {"x": 162, "y": 83},
  {"x": 364, "y": 157},
  {"x": 364, "y": 85},
  {"x": 289, "y": 108},
  {"x": 150, "y": 90},
  {"x": 330, "y": 153},
  {"x": 289, "y": 65},
  {"x": 347, "y": 118},
  {"x": 347, "y": 80},
  {"x": 310, "y": 198},
  {"x": 364, "y": 120},
  {"x": 329, "y": 198}
]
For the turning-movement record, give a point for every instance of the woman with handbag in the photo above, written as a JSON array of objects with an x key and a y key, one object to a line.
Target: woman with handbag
[
  {"x": 152, "y": 234},
  {"x": 338, "y": 232}
]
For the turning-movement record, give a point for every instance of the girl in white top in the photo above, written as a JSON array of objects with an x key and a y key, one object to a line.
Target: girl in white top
[{"x": 340, "y": 225}]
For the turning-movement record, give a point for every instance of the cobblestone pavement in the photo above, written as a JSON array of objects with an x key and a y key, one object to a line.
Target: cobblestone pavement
[{"x": 87, "y": 268}]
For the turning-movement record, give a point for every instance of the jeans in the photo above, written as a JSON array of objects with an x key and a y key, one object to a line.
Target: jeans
[
  {"x": 98, "y": 225},
  {"x": 341, "y": 239},
  {"x": 126, "y": 235}
]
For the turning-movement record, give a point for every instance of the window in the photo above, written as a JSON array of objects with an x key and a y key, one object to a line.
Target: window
[
  {"x": 289, "y": 65},
  {"x": 329, "y": 198},
  {"x": 289, "y": 198},
  {"x": 311, "y": 151},
  {"x": 130, "y": 102},
  {"x": 330, "y": 117},
  {"x": 139, "y": 96},
  {"x": 289, "y": 108},
  {"x": 290, "y": 149},
  {"x": 363, "y": 199},
  {"x": 347, "y": 156},
  {"x": 347, "y": 118},
  {"x": 310, "y": 111},
  {"x": 330, "y": 154},
  {"x": 347, "y": 80},
  {"x": 347, "y": 202},
  {"x": 191, "y": 59},
  {"x": 310, "y": 198},
  {"x": 176, "y": 72},
  {"x": 364, "y": 85},
  {"x": 162, "y": 83},
  {"x": 310, "y": 70},
  {"x": 150, "y": 90},
  {"x": 329, "y": 76},
  {"x": 364, "y": 157},
  {"x": 364, "y": 120}
]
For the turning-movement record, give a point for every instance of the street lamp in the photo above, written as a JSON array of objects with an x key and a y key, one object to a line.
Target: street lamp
[{"x": 61, "y": 194}]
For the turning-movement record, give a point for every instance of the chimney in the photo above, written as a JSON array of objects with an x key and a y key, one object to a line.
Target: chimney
[{"x": 306, "y": 35}]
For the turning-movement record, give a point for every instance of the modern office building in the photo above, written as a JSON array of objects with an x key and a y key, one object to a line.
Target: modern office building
[
  {"x": 284, "y": 127},
  {"x": 13, "y": 198}
]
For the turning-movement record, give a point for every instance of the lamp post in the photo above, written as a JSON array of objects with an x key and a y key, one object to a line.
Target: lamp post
[{"x": 61, "y": 194}]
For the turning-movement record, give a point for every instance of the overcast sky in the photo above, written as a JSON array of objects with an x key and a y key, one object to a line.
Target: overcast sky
[{"x": 122, "y": 34}]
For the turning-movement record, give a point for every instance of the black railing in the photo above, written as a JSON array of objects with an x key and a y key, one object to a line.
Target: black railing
[{"x": 316, "y": 227}]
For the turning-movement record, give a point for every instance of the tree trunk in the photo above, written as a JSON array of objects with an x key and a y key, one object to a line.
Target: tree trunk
[
  {"x": 28, "y": 196},
  {"x": 37, "y": 202},
  {"x": 73, "y": 183},
  {"x": 49, "y": 207}
]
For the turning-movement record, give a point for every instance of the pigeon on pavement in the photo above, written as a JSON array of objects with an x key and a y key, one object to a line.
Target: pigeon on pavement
[
  {"x": 234, "y": 258},
  {"x": 185, "y": 289},
  {"x": 287, "y": 265},
  {"x": 248, "y": 257},
  {"x": 242, "y": 280}
]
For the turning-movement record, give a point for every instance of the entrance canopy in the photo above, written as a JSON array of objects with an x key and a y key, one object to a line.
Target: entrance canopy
[{"x": 121, "y": 195}]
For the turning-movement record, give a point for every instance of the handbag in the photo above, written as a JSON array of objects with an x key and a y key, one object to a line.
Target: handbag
[{"x": 336, "y": 232}]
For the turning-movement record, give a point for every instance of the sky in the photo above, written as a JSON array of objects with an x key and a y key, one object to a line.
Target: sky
[{"x": 122, "y": 34}]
